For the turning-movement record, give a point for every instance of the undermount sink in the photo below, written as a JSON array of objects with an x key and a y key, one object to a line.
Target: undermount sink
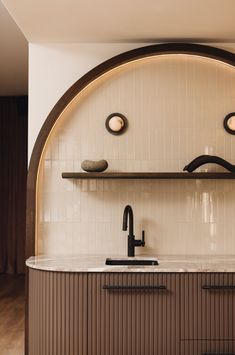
[{"x": 131, "y": 261}]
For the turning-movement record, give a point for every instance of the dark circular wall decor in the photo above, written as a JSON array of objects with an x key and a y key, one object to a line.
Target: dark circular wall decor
[
  {"x": 229, "y": 123},
  {"x": 77, "y": 87},
  {"x": 116, "y": 123}
]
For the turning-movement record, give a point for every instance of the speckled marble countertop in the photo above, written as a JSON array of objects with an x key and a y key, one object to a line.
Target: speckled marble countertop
[{"x": 173, "y": 263}]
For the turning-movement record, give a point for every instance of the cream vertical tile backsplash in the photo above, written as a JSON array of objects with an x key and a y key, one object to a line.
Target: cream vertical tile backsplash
[{"x": 175, "y": 106}]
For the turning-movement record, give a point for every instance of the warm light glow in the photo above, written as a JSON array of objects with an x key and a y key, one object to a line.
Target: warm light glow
[
  {"x": 116, "y": 125},
  {"x": 231, "y": 123}
]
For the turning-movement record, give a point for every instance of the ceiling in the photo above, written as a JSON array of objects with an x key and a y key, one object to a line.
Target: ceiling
[
  {"x": 124, "y": 20},
  {"x": 104, "y": 21},
  {"x": 13, "y": 59}
]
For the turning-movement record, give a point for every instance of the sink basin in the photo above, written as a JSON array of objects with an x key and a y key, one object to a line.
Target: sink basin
[{"x": 131, "y": 261}]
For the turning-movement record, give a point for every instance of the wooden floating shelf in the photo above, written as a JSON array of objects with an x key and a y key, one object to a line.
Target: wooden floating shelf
[{"x": 146, "y": 175}]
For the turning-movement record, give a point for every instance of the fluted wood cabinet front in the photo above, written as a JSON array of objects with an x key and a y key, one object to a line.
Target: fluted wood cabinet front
[
  {"x": 205, "y": 347},
  {"x": 208, "y": 306},
  {"x": 57, "y": 308},
  {"x": 133, "y": 314}
]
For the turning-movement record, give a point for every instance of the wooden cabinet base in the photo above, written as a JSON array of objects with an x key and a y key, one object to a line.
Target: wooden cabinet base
[
  {"x": 213, "y": 347},
  {"x": 130, "y": 313},
  {"x": 57, "y": 313},
  {"x": 209, "y": 306},
  {"x": 133, "y": 314}
]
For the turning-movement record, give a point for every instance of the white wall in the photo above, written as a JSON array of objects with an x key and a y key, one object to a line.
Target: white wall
[{"x": 53, "y": 68}]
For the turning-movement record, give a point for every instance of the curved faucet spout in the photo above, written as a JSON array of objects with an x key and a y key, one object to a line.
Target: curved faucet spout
[
  {"x": 132, "y": 242},
  {"x": 128, "y": 212}
]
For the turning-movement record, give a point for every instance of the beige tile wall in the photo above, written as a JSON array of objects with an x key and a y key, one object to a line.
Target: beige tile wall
[{"x": 175, "y": 106}]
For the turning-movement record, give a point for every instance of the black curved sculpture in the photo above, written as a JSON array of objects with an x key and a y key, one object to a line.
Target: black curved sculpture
[{"x": 208, "y": 159}]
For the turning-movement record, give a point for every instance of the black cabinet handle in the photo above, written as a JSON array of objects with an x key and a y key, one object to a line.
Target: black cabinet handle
[
  {"x": 134, "y": 287},
  {"x": 218, "y": 287}
]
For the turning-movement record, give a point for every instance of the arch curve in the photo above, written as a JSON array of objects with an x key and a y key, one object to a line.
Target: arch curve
[{"x": 77, "y": 87}]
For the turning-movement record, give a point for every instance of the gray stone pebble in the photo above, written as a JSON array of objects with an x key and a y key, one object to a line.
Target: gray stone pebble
[{"x": 94, "y": 165}]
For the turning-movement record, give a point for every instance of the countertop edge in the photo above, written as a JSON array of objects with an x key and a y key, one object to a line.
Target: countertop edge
[{"x": 96, "y": 264}]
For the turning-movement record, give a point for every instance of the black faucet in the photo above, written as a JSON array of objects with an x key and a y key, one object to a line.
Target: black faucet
[{"x": 132, "y": 242}]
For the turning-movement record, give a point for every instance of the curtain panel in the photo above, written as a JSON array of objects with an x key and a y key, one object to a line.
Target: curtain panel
[{"x": 13, "y": 177}]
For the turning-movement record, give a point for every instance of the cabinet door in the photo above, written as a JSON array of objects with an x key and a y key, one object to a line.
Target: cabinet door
[
  {"x": 208, "y": 306},
  {"x": 206, "y": 347},
  {"x": 57, "y": 323},
  {"x": 133, "y": 314}
]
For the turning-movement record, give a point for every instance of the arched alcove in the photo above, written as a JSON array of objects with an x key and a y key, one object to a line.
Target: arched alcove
[{"x": 175, "y": 104}]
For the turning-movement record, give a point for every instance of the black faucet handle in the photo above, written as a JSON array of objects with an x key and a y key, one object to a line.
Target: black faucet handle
[{"x": 143, "y": 239}]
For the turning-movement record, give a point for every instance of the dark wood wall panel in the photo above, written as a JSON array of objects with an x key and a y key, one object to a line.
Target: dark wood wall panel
[
  {"x": 57, "y": 313},
  {"x": 133, "y": 322},
  {"x": 208, "y": 306}
]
